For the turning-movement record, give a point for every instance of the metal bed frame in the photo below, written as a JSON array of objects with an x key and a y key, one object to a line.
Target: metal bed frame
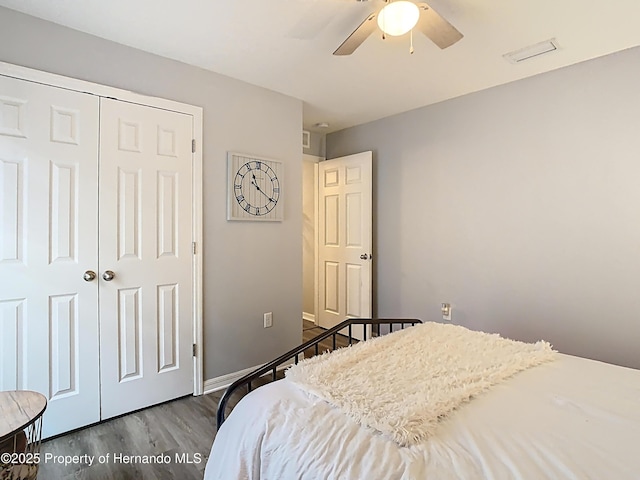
[{"x": 272, "y": 366}]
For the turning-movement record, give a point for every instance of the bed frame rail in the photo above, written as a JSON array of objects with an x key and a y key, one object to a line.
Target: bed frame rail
[{"x": 294, "y": 354}]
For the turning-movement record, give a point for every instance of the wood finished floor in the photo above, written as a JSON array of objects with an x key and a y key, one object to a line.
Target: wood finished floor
[{"x": 182, "y": 429}]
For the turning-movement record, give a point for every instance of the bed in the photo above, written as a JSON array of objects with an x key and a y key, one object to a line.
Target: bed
[{"x": 565, "y": 418}]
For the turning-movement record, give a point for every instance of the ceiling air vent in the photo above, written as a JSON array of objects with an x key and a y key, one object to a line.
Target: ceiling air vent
[{"x": 532, "y": 51}]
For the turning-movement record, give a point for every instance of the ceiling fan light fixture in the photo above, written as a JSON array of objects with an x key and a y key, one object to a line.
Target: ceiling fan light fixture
[{"x": 397, "y": 18}]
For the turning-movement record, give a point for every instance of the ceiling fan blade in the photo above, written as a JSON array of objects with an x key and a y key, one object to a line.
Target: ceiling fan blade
[
  {"x": 358, "y": 36},
  {"x": 436, "y": 28}
]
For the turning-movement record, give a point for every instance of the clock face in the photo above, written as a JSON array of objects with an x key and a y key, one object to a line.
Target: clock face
[
  {"x": 254, "y": 191},
  {"x": 256, "y": 188}
]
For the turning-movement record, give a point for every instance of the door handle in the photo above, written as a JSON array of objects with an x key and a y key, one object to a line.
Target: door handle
[
  {"x": 89, "y": 276},
  {"x": 108, "y": 275},
  {"x": 365, "y": 256}
]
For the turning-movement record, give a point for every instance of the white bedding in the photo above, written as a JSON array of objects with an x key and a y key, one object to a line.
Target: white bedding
[
  {"x": 452, "y": 357},
  {"x": 569, "y": 419}
]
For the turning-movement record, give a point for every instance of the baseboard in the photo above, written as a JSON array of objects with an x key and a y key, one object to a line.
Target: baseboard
[
  {"x": 310, "y": 317},
  {"x": 220, "y": 383}
]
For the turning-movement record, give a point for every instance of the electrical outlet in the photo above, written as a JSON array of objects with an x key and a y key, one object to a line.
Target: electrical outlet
[
  {"x": 268, "y": 319},
  {"x": 446, "y": 312}
]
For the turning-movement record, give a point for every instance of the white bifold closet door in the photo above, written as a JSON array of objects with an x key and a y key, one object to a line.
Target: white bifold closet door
[
  {"x": 48, "y": 239},
  {"x": 91, "y": 185},
  {"x": 146, "y": 331}
]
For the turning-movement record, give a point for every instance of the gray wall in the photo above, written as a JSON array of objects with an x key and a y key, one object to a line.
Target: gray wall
[
  {"x": 519, "y": 205},
  {"x": 248, "y": 268},
  {"x": 316, "y": 144}
]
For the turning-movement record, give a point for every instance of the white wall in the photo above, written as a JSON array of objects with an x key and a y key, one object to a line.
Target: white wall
[
  {"x": 308, "y": 234},
  {"x": 248, "y": 268},
  {"x": 519, "y": 205}
]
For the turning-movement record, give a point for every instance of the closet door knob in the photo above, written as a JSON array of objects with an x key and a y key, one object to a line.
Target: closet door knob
[
  {"x": 89, "y": 276},
  {"x": 108, "y": 275}
]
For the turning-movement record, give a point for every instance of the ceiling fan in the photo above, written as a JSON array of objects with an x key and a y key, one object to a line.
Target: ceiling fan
[{"x": 427, "y": 20}]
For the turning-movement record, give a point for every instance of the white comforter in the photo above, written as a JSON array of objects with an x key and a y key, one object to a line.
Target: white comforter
[{"x": 570, "y": 419}]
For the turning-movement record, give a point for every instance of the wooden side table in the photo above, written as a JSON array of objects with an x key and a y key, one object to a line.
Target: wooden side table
[{"x": 20, "y": 434}]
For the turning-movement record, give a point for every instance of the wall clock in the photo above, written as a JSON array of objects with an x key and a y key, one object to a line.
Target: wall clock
[{"x": 254, "y": 188}]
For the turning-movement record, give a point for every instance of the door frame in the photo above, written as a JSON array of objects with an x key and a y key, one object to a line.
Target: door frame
[
  {"x": 315, "y": 160},
  {"x": 38, "y": 76}
]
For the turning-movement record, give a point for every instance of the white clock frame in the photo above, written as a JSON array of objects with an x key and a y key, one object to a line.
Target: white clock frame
[{"x": 235, "y": 211}]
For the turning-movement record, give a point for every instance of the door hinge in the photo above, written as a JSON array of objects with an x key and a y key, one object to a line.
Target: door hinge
[
  {"x": 194, "y": 350},
  {"x": 193, "y": 146},
  {"x": 193, "y": 247}
]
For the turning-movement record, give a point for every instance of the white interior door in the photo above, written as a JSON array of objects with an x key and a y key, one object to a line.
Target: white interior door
[
  {"x": 48, "y": 239},
  {"x": 146, "y": 310},
  {"x": 344, "y": 239}
]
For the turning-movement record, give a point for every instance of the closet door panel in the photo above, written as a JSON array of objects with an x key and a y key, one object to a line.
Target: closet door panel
[
  {"x": 48, "y": 239},
  {"x": 146, "y": 310}
]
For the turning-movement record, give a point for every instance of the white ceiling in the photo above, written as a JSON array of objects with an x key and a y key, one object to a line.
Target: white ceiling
[{"x": 287, "y": 45}]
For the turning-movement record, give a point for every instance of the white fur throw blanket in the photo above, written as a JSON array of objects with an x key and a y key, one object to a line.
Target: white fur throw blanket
[{"x": 401, "y": 384}]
